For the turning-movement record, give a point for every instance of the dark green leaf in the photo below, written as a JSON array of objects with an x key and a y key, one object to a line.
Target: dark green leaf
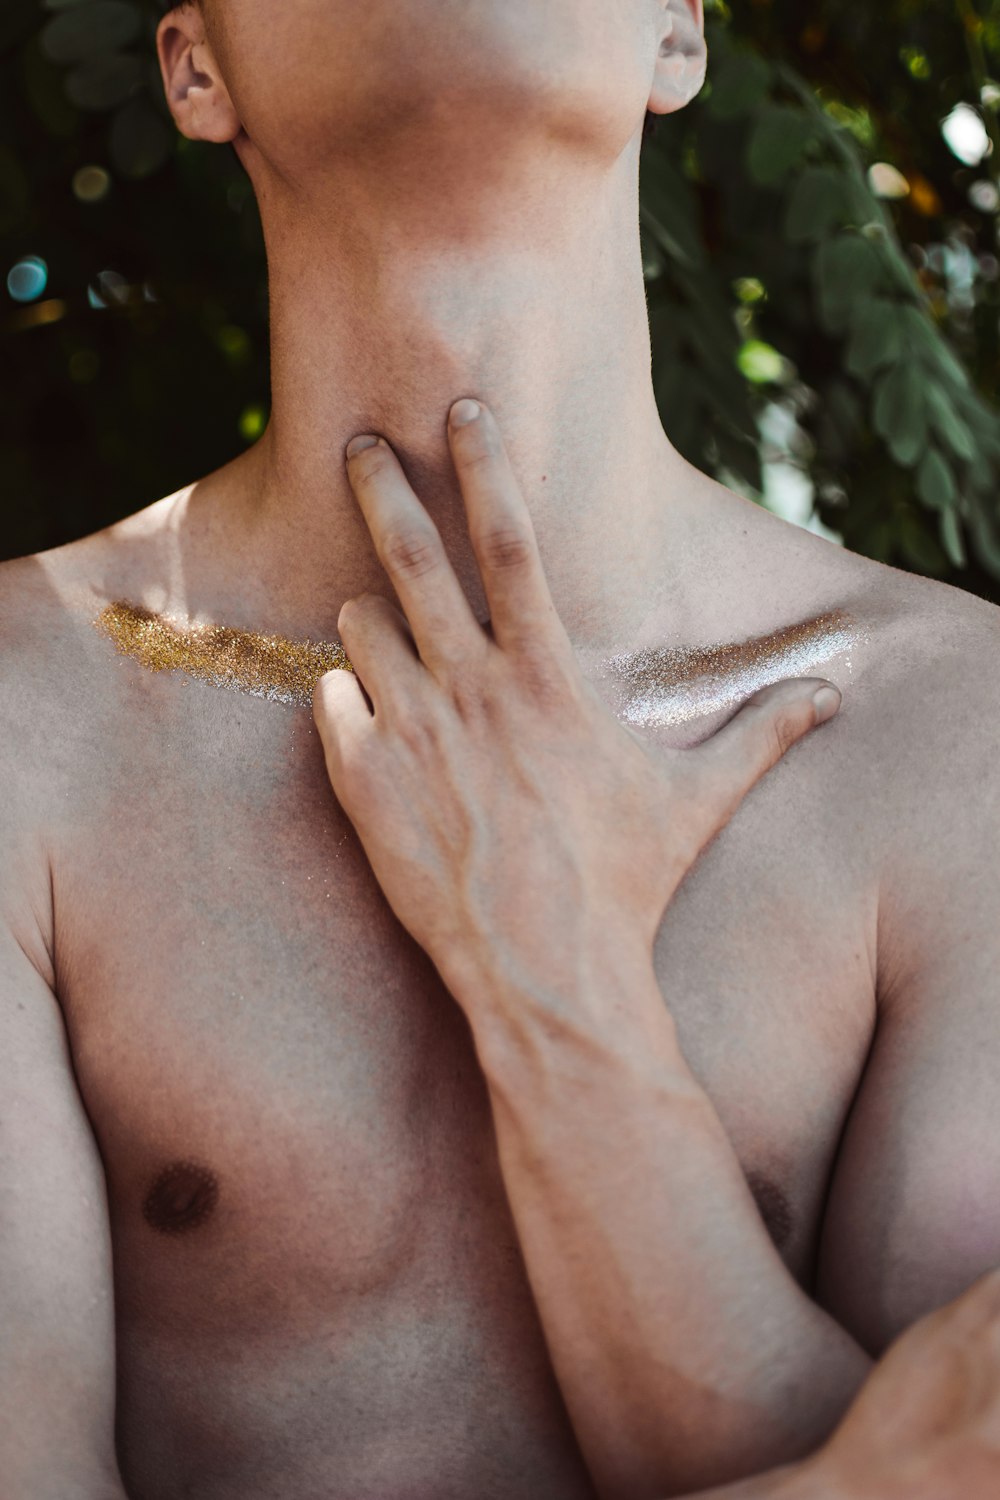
[
  {"x": 935, "y": 481},
  {"x": 779, "y": 139},
  {"x": 817, "y": 203},
  {"x": 947, "y": 422},
  {"x": 980, "y": 475},
  {"x": 739, "y": 85},
  {"x": 669, "y": 211},
  {"x": 929, "y": 343},
  {"x": 86, "y": 31},
  {"x": 845, "y": 269},
  {"x": 845, "y": 414},
  {"x": 862, "y": 205},
  {"x": 951, "y": 538},
  {"x": 140, "y": 142},
  {"x": 986, "y": 539},
  {"x": 876, "y": 336},
  {"x": 899, "y": 413},
  {"x": 104, "y": 81},
  {"x": 920, "y": 547}
]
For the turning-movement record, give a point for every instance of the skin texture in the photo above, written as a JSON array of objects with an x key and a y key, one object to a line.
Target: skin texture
[
  {"x": 928, "y": 1423},
  {"x": 200, "y": 979},
  {"x": 530, "y": 845}
]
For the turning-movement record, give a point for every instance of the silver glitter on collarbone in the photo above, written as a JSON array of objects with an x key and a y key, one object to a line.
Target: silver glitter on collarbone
[{"x": 664, "y": 687}]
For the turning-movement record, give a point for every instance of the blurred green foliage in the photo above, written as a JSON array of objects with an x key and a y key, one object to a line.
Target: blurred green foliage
[{"x": 821, "y": 265}]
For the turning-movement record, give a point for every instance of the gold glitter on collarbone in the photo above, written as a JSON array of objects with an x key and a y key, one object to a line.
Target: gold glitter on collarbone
[
  {"x": 667, "y": 687},
  {"x": 265, "y": 666}
]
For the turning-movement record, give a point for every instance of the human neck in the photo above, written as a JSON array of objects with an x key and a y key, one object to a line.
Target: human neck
[{"x": 386, "y": 307}]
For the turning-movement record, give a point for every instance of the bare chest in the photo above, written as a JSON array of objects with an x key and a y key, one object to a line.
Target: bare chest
[
  {"x": 297, "y": 1138},
  {"x": 240, "y": 996}
]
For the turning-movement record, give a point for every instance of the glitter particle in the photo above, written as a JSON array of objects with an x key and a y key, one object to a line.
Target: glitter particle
[
  {"x": 244, "y": 661},
  {"x": 665, "y": 687}
]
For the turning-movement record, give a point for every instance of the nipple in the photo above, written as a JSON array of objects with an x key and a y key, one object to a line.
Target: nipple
[{"x": 181, "y": 1198}]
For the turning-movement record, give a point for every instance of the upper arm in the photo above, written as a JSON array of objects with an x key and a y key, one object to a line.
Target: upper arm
[
  {"x": 56, "y": 1298},
  {"x": 913, "y": 1215},
  {"x": 57, "y": 1350}
]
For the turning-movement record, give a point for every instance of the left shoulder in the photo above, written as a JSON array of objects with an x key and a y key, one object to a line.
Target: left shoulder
[
  {"x": 929, "y": 743},
  {"x": 935, "y": 685},
  {"x": 913, "y": 1215}
]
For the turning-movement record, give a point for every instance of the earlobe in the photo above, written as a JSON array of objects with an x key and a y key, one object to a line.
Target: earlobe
[
  {"x": 683, "y": 57},
  {"x": 198, "y": 98}
]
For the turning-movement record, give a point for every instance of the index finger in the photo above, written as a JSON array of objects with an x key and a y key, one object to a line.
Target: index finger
[
  {"x": 410, "y": 548},
  {"x": 500, "y": 530}
]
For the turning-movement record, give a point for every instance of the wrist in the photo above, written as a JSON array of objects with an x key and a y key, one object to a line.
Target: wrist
[
  {"x": 807, "y": 1480},
  {"x": 599, "y": 1013},
  {"x": 816, "y": 1479}
]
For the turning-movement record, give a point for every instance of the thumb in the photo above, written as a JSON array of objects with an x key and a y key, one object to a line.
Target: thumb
[
  {"x": 342, "y": 716},
  {"x": 756, "y": 738}
]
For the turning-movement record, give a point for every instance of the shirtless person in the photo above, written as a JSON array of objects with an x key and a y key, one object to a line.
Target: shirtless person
[{"x": 221, "y": 1057}]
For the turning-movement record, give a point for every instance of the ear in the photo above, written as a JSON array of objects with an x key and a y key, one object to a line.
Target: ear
[
  {"x": 683, "y": 56},
  {"x": 199, "y": 100}
]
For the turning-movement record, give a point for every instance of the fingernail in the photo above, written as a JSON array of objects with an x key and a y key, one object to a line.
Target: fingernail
[
  {"x": 464, "y": 412},
  {"x": 827, "y": 701},
  {"x": 359, "y": 444}
]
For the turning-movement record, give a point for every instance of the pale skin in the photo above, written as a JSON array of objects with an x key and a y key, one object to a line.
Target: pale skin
[
  {"x": 530, "y": 845},
  {"x": 201, "y": 981}
]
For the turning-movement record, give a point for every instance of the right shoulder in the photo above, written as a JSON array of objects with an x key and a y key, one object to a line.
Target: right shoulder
[
  {"x": 52, "y": 689},
  {"x": 59, "y": 703},
  {"x": 49, "y": 601},
  {"x": 42, "y": 651},
  {"x": 29, "y": 692}
]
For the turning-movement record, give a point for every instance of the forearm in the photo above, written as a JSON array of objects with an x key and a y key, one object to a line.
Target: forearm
[
  {"x": 805, "y": 1481},
  {"x": 793, "y": 1482},
  {"x": 686, "y": 1353}
]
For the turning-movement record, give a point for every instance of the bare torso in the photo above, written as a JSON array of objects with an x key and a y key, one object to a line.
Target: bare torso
[{"x": 318, "y": 1288}]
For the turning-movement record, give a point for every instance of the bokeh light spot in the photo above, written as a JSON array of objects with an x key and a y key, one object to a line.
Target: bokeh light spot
[
  {"x": 924, "y": 196},
  {"x": 110, "y": 290},
  {"x": 252, "y": 423},
  {"x": 40, "y": 313},
  {"x": 749, "y": 289},
  {"x": 91, "y": 184},
  {"x": 887, "y": 181},
  {"x": 984, "y": 196},
  {"x": 760, "y": 363},
  {"x": 966, "y": 135},
  {"x": 916, "y": 63},
  {"x": 28, "y": 279},
  {"x": 234, "y": 342}
]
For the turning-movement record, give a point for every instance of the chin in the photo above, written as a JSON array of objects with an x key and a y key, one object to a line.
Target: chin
[{"x": 355, "y": 77}]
